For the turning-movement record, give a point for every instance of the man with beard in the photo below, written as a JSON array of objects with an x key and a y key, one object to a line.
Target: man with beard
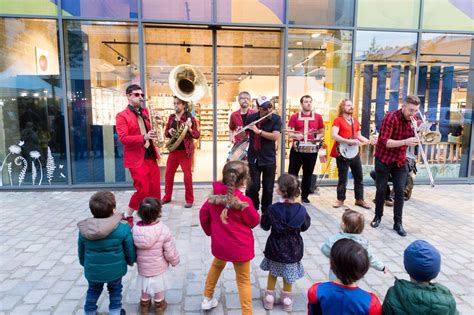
[
  {"x": 396, "y": 135},
  {"x": 262, "y": 152},
  {"x": 183, "y": 154},
  {"x": 139, "y": 152},
  {"x": 346, "y": 129},
  {"x": 305, "y": 127},
  {"x": 237, "y": 118}
]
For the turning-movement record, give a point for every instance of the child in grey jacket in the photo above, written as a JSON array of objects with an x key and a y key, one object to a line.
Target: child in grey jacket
[{"x": 352, "y": 226}]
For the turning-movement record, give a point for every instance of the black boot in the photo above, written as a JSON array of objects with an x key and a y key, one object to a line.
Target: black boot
[
  {"x": 400, "y": 230},
  {"x": 376, "y": 221}
]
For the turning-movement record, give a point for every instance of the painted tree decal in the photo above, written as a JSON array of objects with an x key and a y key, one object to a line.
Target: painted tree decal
[
  {"x": 13, "y": 149},
  {"x": 36, "y": 155},
  {"x": 19, "y": 160},
  {"x": 50, "y": 166}
]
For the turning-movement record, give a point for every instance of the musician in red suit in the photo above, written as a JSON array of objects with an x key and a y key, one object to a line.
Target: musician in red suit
[
  {"x": 237, "y": 118},
  {"x": 183, "y": 154},
  {"x": 139, "y": 152},
  {"x": 346, "y": 129}
]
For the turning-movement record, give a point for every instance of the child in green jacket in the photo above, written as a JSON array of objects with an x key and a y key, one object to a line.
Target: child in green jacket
[
  {"x": 420, "y": 296},
  {"x": 105, "y": 248}
]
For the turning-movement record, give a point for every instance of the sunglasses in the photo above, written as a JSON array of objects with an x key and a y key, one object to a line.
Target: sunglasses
[{"x": 136, "y": 94}]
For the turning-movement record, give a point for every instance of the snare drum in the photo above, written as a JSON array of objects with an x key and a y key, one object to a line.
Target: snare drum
[
  {"x": 306, "y": 147},
  {"x": 239, "y": 151}
]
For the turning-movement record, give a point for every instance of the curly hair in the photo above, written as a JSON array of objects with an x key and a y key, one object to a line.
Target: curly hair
[{"x": 340, "y": 106}]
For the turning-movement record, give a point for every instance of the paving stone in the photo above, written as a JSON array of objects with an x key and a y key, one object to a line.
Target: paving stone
[{"x": 43, "y": 267}]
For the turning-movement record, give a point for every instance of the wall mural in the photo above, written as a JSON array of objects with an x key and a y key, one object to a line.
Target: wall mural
[{"x": 15, "y": 160}]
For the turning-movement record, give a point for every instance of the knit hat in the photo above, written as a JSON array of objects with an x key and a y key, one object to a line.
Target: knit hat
[
  {"x": 264, "y": 101},
  {"x": 422, "y": 261}
]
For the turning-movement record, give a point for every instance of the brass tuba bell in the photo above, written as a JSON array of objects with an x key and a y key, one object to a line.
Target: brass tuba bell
[{"x": 187, "y": 82}]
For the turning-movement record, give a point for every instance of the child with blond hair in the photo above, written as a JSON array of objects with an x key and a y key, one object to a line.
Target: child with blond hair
[{"x": 352, "y": 226}]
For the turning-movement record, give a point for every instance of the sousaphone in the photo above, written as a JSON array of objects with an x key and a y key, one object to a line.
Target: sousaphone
[{"x": 188, "y": 84}]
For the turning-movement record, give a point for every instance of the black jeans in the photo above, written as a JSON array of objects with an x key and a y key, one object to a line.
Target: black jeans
[
  {"x": 399, "y": 178},
  {"x": 308, "y": 161},
  {"x": 268, "y": 181},
  {"x": 373, "y": 174},
  {"x": 343, "y": 168}
]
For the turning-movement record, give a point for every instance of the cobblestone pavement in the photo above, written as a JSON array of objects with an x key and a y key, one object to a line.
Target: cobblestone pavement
[{"x": 40, "y": 272}]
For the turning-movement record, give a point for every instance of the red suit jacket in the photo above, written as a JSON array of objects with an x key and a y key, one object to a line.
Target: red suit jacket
[{"x": 130, "y": 136}]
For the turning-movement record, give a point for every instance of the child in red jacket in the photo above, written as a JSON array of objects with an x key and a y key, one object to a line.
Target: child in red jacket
[{"x": 228, "y": 217}]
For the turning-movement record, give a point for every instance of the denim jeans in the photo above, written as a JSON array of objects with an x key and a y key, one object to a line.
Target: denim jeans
[
  {"x": 267, "y": 173},
  {"x": 93, "y": 294},
  {"x": 356, "y": 169},
  {"x": 399, "y": 178}
]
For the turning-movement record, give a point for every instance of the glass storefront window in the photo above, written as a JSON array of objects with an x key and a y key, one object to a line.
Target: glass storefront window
[
  {"x": 101, "y": 61},
  {"x": 456, "y": 15},
  {"x": 103, "y": 9},
  {"x": 319, "y": 65},
  {"x": 246, "y": 61},
  {"x": 32, "y": 144},
  {"x": 383, "y": 77},
  {"x": 251, "y": 11},
  {"x": 445, "y": 72},
  {"x": 325, "y": 12},
  {"x": 388, "y": 14},
  {"x": 167, "y": 48},
  {"x": 38, "y": 7},
  {"x": 177, "y": 10}
]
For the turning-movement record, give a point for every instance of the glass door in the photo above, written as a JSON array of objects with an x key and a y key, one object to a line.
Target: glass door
[
  {"x": 166, "y": 48},
  {"x": 247, "y": 61}
]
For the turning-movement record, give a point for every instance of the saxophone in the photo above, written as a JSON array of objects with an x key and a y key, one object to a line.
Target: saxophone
[{"x": 157, "y": 124}]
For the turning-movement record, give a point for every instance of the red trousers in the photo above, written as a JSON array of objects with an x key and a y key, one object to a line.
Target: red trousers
[
  {"x": 175, "y": 159},
  {"x": 146, "y": 180}
]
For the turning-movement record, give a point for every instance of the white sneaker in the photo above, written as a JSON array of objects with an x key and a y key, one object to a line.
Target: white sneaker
[{"x": 208, "y": 304}]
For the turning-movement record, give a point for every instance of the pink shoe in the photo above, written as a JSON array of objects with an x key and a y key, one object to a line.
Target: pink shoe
[
  {"x": 268, "y": 299},
  {"x": 287, "y": 301}
]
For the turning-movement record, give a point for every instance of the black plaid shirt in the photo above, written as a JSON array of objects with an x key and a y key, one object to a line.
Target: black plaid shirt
[{"x": 395, "y": 127}]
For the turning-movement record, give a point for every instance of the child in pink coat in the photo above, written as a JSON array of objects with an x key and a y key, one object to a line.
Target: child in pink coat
[
  {"x": 156, "y": 250},
  {"x": 228, "y": 217}
]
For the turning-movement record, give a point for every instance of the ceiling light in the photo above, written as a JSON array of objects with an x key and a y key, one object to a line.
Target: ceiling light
[
  {"x": 316, "y": 35},
  {"x": 299, "y": 43},
  {"x": 290, "y": 54}
]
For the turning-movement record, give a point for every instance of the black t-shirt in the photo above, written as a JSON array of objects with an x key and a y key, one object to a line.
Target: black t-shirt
[
  {"x": 244, "y": 117},
  {"x": 267, "y": 153}
]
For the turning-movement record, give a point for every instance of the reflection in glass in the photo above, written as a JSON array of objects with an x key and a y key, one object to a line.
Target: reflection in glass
[
  {"x": 319, "y": 64},
  {"x": 456, "y": 15},
  {"x": 325, "y": 12},
  {"x": 246, "y": 61},
  {"x": 388, "y": 14},
  {"x": 102, "y": 8},
  {"x": 36, "y": 7},
  {"x": 383, "y": 77},
  {"x": 251, "y": 11},
  {"x": 32, "y": 148},
  {"x": 177, "y": 10},
  {"x": 101, "y": 61},
  {"x": 165, "y": 49},
  {"x": 445, "y": 73}
]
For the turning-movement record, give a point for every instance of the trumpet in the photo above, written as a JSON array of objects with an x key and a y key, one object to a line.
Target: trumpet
[
  {"x": 251, "y": 124},
  {"x": 422, "y": 151}
]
